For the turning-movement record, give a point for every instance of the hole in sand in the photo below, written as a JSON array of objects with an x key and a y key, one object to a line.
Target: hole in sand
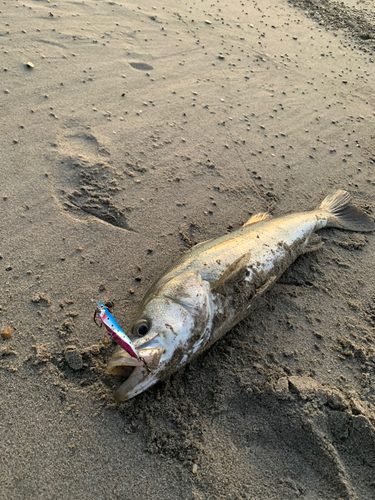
[{"x": 141, "y": 66}]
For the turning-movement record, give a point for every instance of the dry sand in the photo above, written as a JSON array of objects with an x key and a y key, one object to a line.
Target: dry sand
[{"x": 136, "y": 132}]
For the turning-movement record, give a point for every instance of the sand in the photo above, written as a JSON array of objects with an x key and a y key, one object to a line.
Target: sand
[{"x": 130, "y": 132}]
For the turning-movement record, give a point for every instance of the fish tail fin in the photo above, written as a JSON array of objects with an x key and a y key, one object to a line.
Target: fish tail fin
[{"x": 341, "y": 213}]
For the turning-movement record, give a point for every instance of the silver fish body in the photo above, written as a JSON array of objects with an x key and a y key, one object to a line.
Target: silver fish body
[{"x": 215, "y": 285}]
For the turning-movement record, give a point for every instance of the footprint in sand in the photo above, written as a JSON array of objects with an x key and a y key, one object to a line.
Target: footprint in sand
[{"x": 86, "y": 184}]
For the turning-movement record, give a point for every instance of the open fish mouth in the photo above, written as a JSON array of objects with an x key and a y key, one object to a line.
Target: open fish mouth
[
  {"x": 139, "y": 374},
  {"x": 139, "y": 380}
]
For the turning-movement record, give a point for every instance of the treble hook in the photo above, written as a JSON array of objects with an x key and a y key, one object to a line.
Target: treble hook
[{"x": 100, "y": 324}]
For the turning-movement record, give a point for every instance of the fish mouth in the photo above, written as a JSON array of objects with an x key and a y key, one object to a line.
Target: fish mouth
[{"x": 140, "y": 374}]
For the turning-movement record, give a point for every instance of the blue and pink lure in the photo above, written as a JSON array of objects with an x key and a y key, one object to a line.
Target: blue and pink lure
[{"x": 115, "y": 330}]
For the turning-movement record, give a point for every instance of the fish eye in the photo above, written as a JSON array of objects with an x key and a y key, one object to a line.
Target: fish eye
[{"x": 141, "y": 328}]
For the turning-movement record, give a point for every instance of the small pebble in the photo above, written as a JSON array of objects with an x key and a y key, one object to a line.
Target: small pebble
[
  {"x": 7, "y": 333},
  {"x": 30, "y": 65}
]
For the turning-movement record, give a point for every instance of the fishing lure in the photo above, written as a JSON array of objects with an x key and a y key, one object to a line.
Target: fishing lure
[{"x": 114, "y": 329}]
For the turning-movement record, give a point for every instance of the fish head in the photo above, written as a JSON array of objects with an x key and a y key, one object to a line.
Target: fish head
[{"x": 173, "y": 323}]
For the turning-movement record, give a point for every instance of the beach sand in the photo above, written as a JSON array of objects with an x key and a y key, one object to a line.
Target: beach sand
[{"x": 128, "y": 133}]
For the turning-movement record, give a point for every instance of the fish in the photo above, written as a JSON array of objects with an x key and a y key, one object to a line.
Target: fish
[{"x": 216, "y": 284}]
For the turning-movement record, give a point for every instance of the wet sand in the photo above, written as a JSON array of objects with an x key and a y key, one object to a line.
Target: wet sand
[{"x": 128, "y": 134}]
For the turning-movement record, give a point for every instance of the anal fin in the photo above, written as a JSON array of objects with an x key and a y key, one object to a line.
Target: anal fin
[{"x": 313, "y": 242}]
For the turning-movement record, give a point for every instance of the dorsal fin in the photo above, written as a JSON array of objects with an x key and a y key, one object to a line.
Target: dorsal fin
[{"x": 258, "y": 218}]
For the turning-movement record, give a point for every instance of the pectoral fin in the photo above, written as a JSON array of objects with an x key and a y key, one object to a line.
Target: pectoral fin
[{"x": 235, "y": 272}]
